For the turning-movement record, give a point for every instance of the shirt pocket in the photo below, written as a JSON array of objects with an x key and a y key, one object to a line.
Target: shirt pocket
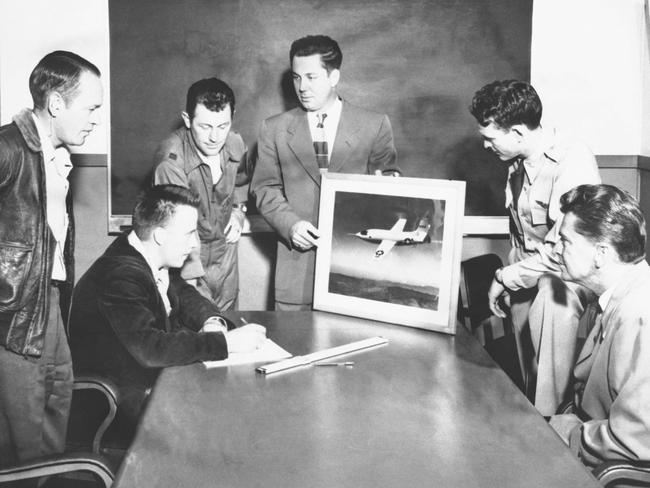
[
  {"x": 539, "y": 213},
  {"x": 15, "y": 261}
]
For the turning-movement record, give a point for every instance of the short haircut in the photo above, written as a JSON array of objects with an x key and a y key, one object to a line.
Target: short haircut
[
  {"x": 157, "y": 204},
  {"x": 330, "y": 53},
  {"x": 59, "y": 71},
  {"x": 605, "y": 213},
  {"x": 213, "y": 93},
  {"x": 507, "y": 103}
]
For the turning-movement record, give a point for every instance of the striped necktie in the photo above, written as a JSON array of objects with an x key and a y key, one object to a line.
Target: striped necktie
[{"x": 321, "y": 146}]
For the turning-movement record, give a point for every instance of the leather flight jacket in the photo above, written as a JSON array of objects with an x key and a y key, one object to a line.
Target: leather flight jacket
[{"x": 26, "y": 242}]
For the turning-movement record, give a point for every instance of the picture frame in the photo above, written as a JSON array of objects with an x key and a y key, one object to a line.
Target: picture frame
[{"x": 390, "y": 249}]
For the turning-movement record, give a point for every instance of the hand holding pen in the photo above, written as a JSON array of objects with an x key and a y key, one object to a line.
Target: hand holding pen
[{"x": 246, "y": 338}]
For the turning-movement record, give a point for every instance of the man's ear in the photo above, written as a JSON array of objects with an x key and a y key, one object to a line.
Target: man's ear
[
  {"x": 159, "y": 235},
  {"x": 519, "y": 129},
  {"x": 55, "y": 104},
  {"x": 334, "y": 77},
  {"x": 604, "y": 253},
  {"x": 187, "y": 120}
]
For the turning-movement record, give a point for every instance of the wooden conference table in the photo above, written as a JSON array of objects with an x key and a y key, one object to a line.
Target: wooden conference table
[{"x": 427, "y": 409}]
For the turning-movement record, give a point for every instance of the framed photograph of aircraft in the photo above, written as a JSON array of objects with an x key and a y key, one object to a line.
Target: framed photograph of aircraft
[{"x": 390, "y": 249}]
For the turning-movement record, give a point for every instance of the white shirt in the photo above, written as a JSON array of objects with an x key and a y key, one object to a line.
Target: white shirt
[
  {"x": 161, "y": 275},
  {"x": 214, "y": 162},
  {"x": 330, "y": 125},
  {"x": 603, "y": 299},
  {"x": 57, "y": 168}
]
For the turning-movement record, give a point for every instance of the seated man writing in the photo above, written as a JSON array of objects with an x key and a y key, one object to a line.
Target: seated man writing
[
  {"x": 131, "y": 315},
  {"x": 602, "y": 242}
]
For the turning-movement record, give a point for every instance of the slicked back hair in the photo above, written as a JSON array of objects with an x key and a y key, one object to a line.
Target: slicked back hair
[
  {"x": 329, "y": 50},
  {"x": 605, "y": 213},
  {"x": 156, "y": 206},
  {"x": 213, "y": 93},
  {"x": 59, "y": 71},
  {"x": 507, "y": 103}
]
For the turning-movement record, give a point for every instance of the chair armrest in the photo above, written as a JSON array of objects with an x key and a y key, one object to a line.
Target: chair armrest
[
  {"x": 58, "y": 464},
  {"x": 110, "y": 392},
  {"x": 611, "y": 471}
]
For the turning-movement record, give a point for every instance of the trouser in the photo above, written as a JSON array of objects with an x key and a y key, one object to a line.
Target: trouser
[
  {"x": 35, "y": 395},
  {"x": 221, "y": 280},
  {"x": 291, "y": 307},
  {"x": 546, "y": 326}
]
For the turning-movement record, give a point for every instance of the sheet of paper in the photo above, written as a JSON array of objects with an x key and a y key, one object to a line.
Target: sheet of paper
[{"x": 269, "y": 351}]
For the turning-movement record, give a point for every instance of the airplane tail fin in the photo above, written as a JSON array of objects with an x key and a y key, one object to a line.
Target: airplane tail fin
[
  {"x": 423, "y": 230},
  {"x": 424, "y": 225}
]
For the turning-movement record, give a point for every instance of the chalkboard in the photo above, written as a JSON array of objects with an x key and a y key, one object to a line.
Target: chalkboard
[{"x": 418, "y": 61}]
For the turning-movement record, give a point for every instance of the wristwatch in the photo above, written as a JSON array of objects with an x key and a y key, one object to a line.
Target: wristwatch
[{"x": 240, "y": 206}]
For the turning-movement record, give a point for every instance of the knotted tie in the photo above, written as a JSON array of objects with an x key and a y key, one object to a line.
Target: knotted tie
[
  {"x": 598, "y": 323},
  {"x": 321, "y": 146},
  {"x": 517, "y": 183}
]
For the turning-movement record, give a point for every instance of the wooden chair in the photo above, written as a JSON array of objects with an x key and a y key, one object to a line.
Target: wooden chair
[
  {"x": 474, "y": 311},
  {"x": 90, "y": 462}
]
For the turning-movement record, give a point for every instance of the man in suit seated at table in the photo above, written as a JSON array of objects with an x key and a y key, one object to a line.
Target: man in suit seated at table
[
  {"x": 324, "y": 134},
  {"x": 131, "y": 315},
  {"x": 602, "y": 244}
]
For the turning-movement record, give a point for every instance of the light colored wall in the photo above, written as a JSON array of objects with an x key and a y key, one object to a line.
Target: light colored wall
[
  {"x": 80, "y": 26},
  {"x": 590, "y": 64}
]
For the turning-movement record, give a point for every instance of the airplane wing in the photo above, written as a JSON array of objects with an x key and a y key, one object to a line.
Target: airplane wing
[
  {"x": 399, "y": 225},
  {"x": 384, "y": 248},
  {"x": 386, "y": 245}
]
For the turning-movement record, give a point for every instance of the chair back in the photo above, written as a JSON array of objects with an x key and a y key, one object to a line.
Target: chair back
[
  {"x": 494, "y": 333},
  {"x": 92, "y": 462},
  {"x": 476, "y": 277}
]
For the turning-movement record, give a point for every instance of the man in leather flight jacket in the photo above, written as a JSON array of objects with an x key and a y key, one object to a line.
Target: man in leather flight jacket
[{"x": 36, "y": 254}]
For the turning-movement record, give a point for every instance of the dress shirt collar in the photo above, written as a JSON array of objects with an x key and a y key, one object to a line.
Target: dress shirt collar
[
  {"x": 44, "y": 137},
  {"x": 550, "y": 152},
  {"x": 60, "y": 156},
  {"x": 603, "y": 300},
  {"x": 160, "y": 275},
  {"x": 554, "y": 151},
  {"x": 226, "y": 155},
  {"x": 333, "y": 112},
  {"x": 214, "y": 163},
  {"x": 138, "y": 245}
]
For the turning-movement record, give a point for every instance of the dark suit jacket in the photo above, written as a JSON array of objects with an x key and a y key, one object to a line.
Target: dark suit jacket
[
  {"x": 119, "y": 328},
  {"x": 286, "y": 182}
]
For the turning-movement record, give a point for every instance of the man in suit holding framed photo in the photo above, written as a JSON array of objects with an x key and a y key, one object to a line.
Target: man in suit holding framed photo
[{"x": 324, "y": 134}]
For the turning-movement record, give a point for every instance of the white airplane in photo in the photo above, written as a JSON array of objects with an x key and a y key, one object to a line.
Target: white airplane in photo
[{"x": 396, "y": 235}]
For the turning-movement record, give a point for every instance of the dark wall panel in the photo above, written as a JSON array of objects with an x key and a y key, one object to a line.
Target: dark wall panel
[{"x": 418, "y": 61}]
